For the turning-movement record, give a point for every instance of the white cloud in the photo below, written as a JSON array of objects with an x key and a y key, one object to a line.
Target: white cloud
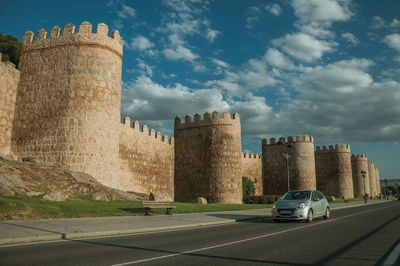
[
  {"x": 377, "y": 22},
  {"x": 395, "y": 23},
  {"x": 274, "y": 9},
  {"x": 277, "y": 59},
  {"x": 180, "y": 53},
  {"x": 393, "y": 41},
  {"x": 141, "y": 43},
  {"x": 321, "y": 10},
  {"x": 212, "y": 34},
  {"x": 349, "y": 37},
  {"x": 303, "y": 46},
  {"x": 126, "y": 12},
  {"x": 220, "y": 63}
]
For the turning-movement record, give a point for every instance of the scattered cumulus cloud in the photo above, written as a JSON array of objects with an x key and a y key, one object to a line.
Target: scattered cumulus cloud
[
  {"x": 303, "y": 46},
  {"x": 180, "y": 53},
  {"x": 141, "y": 43},
  {"x": 393, "y": 41},
  {"x": 126, "y": 12},
  {"x": 321, "y": 10},
  {"x": 349, "y": 37},
  {"x": 274, "y": 9}
]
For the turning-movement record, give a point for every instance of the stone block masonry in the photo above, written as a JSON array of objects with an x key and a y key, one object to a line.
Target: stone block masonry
[
  {"x": 208, "y": 158},
  {"x": 359, "y": 163},
  {"x": 333, "y": 171},
  {"x": 68, "y": 101},
  {"x": 252, "y": 169},
  {"x": 147, "y": 161},
  {"x": 9, "y": 77},
  {"x": 301, "y": 165},
  {"x": 372, "y": 179}
]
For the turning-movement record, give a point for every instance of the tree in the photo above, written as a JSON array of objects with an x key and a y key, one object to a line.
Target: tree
[
  {"x": 10, "y": 48},
  {"x": 248, "y": 187}
]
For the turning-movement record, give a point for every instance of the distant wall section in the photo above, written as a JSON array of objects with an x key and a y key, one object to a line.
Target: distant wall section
[
  {"x": 359, "y": 163},
  {"x": 146, "y": 160},
  {"x": 9, "y": 78},
  {"x": 333, "y": 171},
  {"x": 208, "y": 158},
  {"x": 252, "y": 169}
]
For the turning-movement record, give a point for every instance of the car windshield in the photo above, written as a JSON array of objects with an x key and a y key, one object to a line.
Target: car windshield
[{"x": 297, "y": 195}]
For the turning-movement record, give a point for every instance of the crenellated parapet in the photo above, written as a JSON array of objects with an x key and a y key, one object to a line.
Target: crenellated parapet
[
  {"x": 359, "y": 157},
  {"x": 335, "y": 149},
  {"x": 290, "y": 139},
  {"x": 251, "y": 155},
  {"x": 208, "y": 120},
  {"x": 83, "y": 37},
  {"x": 144, "y": 130}
]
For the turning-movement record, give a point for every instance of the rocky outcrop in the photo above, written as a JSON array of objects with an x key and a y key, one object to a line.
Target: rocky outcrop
[{"x": 32, "y": 178}]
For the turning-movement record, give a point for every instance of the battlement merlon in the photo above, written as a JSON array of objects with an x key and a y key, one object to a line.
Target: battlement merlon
[
  {"x": 290, "y": 139},
  {"x": 343, "y": 148},
  {"x": 145, "y": 130},
  {"x": 359, "y": 157},
  {"x": 251, "y": 155},
  {"x": 213, "y": 119},
  {"x": 84, "y": 36}
]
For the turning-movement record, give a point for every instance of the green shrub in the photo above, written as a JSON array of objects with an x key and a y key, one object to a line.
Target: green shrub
[{"x": 248, "y": 187}]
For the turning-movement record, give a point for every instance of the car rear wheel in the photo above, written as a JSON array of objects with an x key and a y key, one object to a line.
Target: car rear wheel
[
  {"x": 310, "y": 216},
  {"x": 327, "y": 213},
  {"x": 276, "y": 220}
]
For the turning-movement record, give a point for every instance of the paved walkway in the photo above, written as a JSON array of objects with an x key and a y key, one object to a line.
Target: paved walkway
[{"x": 54, "y": 229}]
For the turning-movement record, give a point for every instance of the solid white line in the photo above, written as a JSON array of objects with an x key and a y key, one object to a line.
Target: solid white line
[
  {"x": 393, "y": 256},
  {"x": 240, "y": 241}
]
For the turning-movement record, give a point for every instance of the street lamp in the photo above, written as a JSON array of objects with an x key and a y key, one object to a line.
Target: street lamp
[
  {"x": 287, "y": 156},
  {"x": 364, "y": 175}
]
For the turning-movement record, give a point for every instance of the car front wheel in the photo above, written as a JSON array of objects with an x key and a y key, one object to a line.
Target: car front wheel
[
  {"x": 309, "y": 216},
  {"x": 327, "y": 213}
]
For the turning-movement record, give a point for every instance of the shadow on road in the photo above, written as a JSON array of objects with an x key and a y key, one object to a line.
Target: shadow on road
[{"x": 35, "y": 228}]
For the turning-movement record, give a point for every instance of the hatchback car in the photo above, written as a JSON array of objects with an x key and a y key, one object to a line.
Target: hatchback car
[{"x": 301, "y": 205}]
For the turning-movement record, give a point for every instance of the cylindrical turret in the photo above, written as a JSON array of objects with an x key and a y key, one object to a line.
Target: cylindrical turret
[
  {"x": 68, "y": 100},
  {"x": 360, "y": 184},
  {"x": 301, "y": 162},
  {"x": 208, "y": 159},
  {"x": 372, "y": 179},
  {"x": 378, "y": 181},
  {"x": 333, "y": 170}
]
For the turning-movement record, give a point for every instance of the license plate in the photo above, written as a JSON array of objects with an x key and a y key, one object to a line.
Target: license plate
[{"x": 285, "y": 212}]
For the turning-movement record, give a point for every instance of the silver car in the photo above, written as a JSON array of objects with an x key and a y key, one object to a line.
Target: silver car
[{"x": 301, "y": 205}]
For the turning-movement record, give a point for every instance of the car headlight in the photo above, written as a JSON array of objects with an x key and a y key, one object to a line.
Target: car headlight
[
  {"x": 302, "y": 206},
  {"x": 273, "y": 207}
]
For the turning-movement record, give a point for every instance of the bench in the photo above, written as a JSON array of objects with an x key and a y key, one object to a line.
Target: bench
[{"x": 149, "y": 204}]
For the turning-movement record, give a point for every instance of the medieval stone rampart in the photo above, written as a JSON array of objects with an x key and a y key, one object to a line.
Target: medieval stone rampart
[
  {"x": 372, "y": 179},
  {"x": 208, "y": 158},
  {"x": 359, "y": 163},
  {"x": 68, "y": 101},
  {"x": 378, "y": 181},
  {"x": 9, "y": 77},
  {"x": 147, "y": 161},
  {"x": 252, "y": 169},
  {"x": 301, "y": 164},
  {"x": 333, "y": 171}
]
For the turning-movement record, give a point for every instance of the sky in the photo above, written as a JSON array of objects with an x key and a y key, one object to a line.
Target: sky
[{"x": 325, "y": 68}]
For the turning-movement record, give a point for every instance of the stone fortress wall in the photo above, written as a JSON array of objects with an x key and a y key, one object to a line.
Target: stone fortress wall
[
  {"x": 146, "y": 160},
  {"x": 301, "y": 164},
  {"x": 359, "y": 163},
  {"x": 333, "y": 171},
  {"x": 67, "y": 95},
  {"x": 68, "y": 101},
  {"x": 9, "y": 78},
  {"x": 372, "y": 179},
  {"x": 252, "y": 169},
  {"x": 208, "y": 158}
]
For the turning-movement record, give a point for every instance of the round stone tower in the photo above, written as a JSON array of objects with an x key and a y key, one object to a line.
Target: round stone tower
[
  {"x": 378, "y": 181},
  {"x": 301, "y": 164},
  {"x": 208, "y": 158},
  {"x": 372, "y": 179},
  {"x": 68, "y": 100},
  {"x": 333, "y": 170},
  {"x": 359, "y": 163}
]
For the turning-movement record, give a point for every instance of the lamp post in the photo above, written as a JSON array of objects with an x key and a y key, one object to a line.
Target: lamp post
[
  {"x": 287, "y": 156},
  {"x": 364, "y": 175}
]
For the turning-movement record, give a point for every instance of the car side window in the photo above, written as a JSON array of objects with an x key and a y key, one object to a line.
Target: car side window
[
  {"x": 315, "y": 196},
  {"x": 320, "y": 196}
]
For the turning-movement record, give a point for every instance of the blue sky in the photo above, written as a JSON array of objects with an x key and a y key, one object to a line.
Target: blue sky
[{"x": 326, "y": 68}]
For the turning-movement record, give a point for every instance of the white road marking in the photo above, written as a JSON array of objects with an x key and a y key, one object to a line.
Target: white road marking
[
  {"x": 393, "y": 256},
  {"x": 240, "y": 241}
]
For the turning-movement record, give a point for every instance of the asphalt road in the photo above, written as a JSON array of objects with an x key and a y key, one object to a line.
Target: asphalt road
[{"x": 355, "y": 236}]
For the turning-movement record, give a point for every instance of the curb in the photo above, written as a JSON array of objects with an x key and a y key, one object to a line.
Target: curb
[{"x": 358, "y": 205}]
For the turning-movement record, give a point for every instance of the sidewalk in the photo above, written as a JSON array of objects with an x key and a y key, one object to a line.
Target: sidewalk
[{"x": 12, "y": 232}]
